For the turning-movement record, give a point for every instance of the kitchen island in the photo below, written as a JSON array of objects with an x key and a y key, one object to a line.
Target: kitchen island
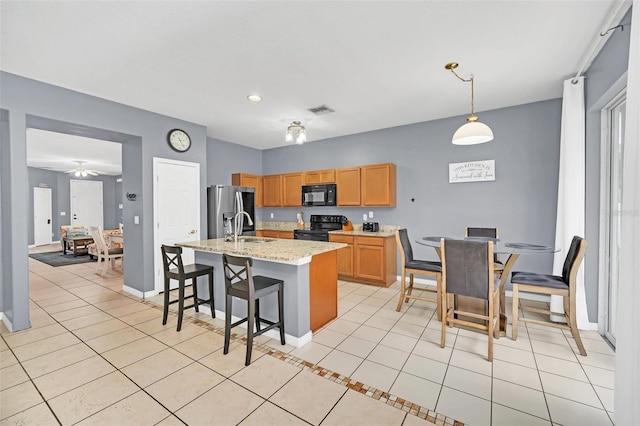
[{"x": 308, "y": 269}]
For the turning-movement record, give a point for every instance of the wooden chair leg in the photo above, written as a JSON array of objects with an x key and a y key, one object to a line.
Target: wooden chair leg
[
  {"x": 439, "y": 295},
  {"x": 257, "y": 316},
  {"x": 514, "y": 312},
  {"x": 251, "y": 314},
  {"x": 409, "y": 289},
  {"x": 227, "y": 323},
  {"x": 443, "y": 318},
  {"x": 213, "y": 308},
  {"x": 180, "y": 303},
  {"x": 574, "y": 328},
  {"x": 281, "y": 314},
  {"x": 196, "y": 301},
  {"x": 402, "y": 289},
  {"x": 165, "y": 311}
]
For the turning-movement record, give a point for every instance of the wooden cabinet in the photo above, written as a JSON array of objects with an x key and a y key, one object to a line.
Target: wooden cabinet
[
  {"x": 292, "y": 189},
  {"x": 319, "y": 176},
  {"x": 252, "y": 181},
  {"x": 273, "y": 233},
  {"x": 348, "y": 185},
  {"x": 272, "y": 191},
  {"x": 369, "y": 260},
  {"x": 378, "y": 184},
  {"x": 345, "y": 255}
]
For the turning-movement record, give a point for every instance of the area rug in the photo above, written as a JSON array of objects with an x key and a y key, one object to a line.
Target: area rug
[{"x": 56, "y": 258}]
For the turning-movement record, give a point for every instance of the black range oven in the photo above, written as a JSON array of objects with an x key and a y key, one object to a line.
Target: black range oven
[{"x": 319, "y": 227}]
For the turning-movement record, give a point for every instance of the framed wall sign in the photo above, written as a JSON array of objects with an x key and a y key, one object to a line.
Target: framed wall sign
[{"x": 472, "y": 171}]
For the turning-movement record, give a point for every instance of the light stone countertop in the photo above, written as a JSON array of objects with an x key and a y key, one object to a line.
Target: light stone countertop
[{"x": 281, "y": 250}]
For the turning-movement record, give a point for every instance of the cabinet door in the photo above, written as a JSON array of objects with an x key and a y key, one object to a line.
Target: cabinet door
[
  {"x": 345, "y": 255},
  {"x": 268, "y": 233},
  {"x": 272, "y": 191},
  {"x": 370, "y": 262},
  {"x": 378, "y": 185},
  {"x": 292, "y": 189},
  {"x": 319, "y": 176},
  {"x": 348, "y": 183},
  {"x": 285, "y": 234},
  {"x": 252, "y": 181}
]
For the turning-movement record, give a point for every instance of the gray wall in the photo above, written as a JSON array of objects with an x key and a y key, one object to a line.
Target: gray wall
[
  {"x": 61, "y": 199},
  {"x": 607, "y": 69},
  {"x": 521, "y": 202}
]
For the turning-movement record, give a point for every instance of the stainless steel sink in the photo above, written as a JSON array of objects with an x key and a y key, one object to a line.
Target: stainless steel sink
[{"x": 254, "y": 240}]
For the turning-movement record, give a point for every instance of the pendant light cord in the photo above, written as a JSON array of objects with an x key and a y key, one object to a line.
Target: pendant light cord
[{"x": 470, "y": 80}]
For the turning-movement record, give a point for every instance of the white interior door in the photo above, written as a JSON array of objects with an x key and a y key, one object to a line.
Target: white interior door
[
  {"x": 86, "y": 203},
  {"x": 42, "y": 216},
  {"x": 176, "y": 206}
]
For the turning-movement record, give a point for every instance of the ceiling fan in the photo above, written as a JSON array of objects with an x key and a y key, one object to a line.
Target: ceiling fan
[{"x": 81, "y": 171}]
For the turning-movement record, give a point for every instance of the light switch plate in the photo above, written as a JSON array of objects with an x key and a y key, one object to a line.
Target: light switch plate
[
  {"x": 370, "y": 215},
  {"x": 364, "y": 216},
  {"x": 63, "y": 213},
  {"x": 271, "y": 216},
  {"x": 136, "y": 220}
]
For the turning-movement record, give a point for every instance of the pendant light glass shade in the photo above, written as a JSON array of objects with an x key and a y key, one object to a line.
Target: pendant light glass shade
[
  {"x": 472, "y": 133},
  {"x": 296, "y": 133}
]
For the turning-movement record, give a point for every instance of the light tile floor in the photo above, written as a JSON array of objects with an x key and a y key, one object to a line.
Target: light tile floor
[
  {"x": 97, "y": 355},
  {"x": 84, "y": 322}
]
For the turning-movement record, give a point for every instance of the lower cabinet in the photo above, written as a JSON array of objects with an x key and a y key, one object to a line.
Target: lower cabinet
[
  {"x": 272, "y": 233},
  {"x": 369, "y": 260}
]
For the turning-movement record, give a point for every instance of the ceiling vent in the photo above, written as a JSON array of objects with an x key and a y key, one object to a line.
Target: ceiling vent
[{"x": 321, "y": 110}]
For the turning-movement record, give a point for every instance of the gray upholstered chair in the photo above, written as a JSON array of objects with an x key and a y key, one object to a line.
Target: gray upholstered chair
[
  {"x": 411, "y": 266},
  {"x": 470, "y": 231},
  {"x": 240, "y": 282},
  {"x": 467, "y": 270},
  {"x": 564, "y": 285}
]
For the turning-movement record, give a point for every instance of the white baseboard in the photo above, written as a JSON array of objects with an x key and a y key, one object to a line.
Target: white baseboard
[{"x": 6, "y": 322}]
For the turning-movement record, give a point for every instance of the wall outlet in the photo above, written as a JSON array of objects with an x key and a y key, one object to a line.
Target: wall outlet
[
  {"x": 271, "y": 215},
  {"x": 364, "y": 216},
  {"x": 370, "y": 215},
  {"x": 120, "y": 206},
  {"x": 63, "y": 213}
]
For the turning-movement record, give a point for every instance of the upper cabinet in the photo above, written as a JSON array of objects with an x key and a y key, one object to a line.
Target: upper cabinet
[
  {"x": 378, "y": 185},
  {"x": 272, "y": 191},
  {"x": 348, "y": 185},
  {"x": 366, "y": 186},
  {"x": 292, "y": 189},
  {"x": 315, "y": 177},
  {"x": 252, "y": 181}
]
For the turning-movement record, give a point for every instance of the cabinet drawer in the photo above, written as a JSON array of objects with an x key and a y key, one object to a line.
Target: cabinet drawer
[
  {"x": 337, "y": 238},
  {"x": 370, "y": 241}
]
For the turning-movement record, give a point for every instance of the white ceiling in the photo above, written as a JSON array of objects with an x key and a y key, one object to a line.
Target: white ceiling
[{"x": 378, "y": 64}]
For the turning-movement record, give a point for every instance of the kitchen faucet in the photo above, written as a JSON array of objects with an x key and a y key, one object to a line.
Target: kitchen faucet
[{"x": 235, "y": 230}]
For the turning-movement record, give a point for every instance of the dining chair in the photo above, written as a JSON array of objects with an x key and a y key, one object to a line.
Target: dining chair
[
  {"x": 176, "y": 270},
  {"x": 467, "y": 270},
  {"x": 103, "y": 252},
  {"x": 411, "y": 266},
  {"x": 241, "y": 283},
  {"x": 562, "y": 285},
  {"x": 489, "y": 233}
]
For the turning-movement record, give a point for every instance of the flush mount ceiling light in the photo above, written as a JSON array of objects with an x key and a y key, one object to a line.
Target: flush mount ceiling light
[
  {"x": 254, "y": 98},
  {"x": 474, "y": 132},
  {"x": 296, "y": 133}
]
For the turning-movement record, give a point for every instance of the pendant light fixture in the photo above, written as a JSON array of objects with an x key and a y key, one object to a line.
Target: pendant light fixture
[
  {"x": 473, "y": 132},
  {"x": 296, "y": 133}
]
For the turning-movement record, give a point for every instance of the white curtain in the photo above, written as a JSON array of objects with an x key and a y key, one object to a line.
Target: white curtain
[
  {"x": 627, "y": 376},
  {"x": 571, "y": 191}
]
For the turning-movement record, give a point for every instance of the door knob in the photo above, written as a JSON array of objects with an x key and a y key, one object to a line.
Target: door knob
[{"x": 193, "y": 231}]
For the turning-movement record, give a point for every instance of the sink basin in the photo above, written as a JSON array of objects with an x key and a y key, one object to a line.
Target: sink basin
[{"x": 254, "y": 240}]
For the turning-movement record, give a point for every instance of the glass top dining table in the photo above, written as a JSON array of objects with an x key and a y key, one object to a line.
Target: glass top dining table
[{"x": 513, "y": 249}]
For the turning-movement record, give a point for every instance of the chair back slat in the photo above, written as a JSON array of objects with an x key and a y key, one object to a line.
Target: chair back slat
[
  {"x": 405, "y": 245},
  {"x": 573, "y": 259},
  {"x": 238, "y": 270},
  {"x": 467, "y": 267},
  {"x": 481, "y": 232},
  {"x": 172, "y": 258},
  {"x": 96, "y": 234}
]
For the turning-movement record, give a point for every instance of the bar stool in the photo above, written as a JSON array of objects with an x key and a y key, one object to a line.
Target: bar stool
[
  {"x": 241, "y": 283},
  {"x": 172, "y": 257}
]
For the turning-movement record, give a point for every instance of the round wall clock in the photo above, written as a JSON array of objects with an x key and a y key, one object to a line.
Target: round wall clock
[{"x": 179, "y": 140}]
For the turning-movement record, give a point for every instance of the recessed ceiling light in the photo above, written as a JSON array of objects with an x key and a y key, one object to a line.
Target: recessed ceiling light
[{"x": 254, "y": 98}]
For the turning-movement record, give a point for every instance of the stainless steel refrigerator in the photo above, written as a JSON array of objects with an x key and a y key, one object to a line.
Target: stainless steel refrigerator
[{"x": 223, "y": 203}]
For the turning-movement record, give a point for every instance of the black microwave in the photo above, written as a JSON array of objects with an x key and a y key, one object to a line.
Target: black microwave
[{"x": 319, "y": 195}]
